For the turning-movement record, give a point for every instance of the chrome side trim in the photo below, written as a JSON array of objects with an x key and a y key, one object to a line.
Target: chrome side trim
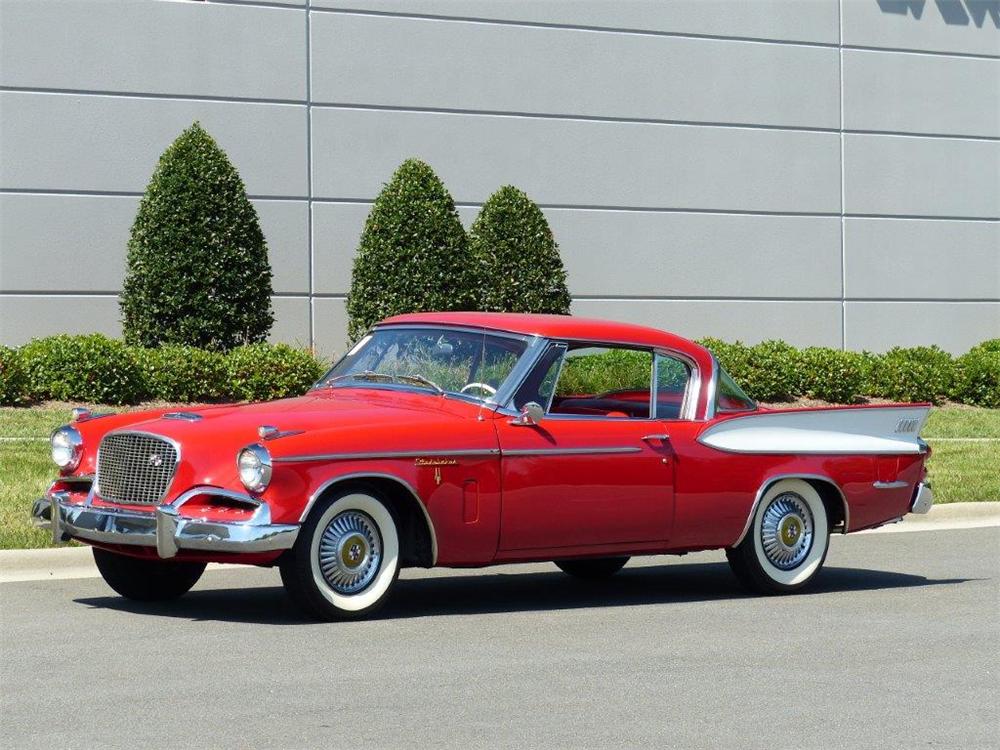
[
  {"x": 888, "y": 485},
  {"x": 570, "y": 451},
  {"x": 369, "y": 475},
  {"x": 386, "y": 454},
  {"x": 75, "y": 479},
  {"x": 777, "y": 478}
]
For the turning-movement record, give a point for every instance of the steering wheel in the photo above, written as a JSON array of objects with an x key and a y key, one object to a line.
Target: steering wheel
[{"x": 490, "y": 390}]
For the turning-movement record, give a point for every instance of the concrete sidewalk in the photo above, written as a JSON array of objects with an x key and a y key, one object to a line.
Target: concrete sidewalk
[{"x": 77, "y": 562}]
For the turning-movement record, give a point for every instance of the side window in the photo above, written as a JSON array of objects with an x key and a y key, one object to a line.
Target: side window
[
  {"x": 604, "y": 382},
  {"x": 672, "y": 378},
  {"x": 730, "y": 397}
]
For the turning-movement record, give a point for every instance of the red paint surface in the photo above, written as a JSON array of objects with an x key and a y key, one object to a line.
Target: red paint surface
[{"x": 668, "y": 495}]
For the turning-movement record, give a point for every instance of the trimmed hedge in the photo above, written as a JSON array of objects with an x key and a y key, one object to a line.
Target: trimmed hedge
[
  {"x": 261, "y": 372},
  {"x": 413, "y": 254},
  {"x": 920, "y": 373},
  {"x": 90, "y": 368},
  {"x": 97, "y": 369},
  {"x": 517, "y": 257},
  {"x": 185, "y": 374},
  {"x": 198, "y": 272},
  {"x": 977, "y": 375},
  {"x": 13, "y": 384}
]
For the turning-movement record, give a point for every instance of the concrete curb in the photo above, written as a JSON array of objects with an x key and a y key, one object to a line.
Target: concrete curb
[{"x": 63, "y": 563}]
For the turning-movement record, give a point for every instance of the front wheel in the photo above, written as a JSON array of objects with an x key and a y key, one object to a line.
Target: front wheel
[
  {"x": 592, "y": 568},
  {"x": 345, "y": 559},
  {"x": 787, "y": 542},
  {"x": 147, "y": 580}
]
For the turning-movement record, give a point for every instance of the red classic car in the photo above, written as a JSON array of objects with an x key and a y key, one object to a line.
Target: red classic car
[{"x": 468, "y": 439}]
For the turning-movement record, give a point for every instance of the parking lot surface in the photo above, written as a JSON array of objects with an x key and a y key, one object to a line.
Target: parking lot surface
[{"x": 898, "y": 645}]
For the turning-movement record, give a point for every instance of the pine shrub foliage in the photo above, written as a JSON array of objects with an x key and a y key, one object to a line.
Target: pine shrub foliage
[
  {"x": 413, "y": 255},
  {"x": 517, "y": 257},
  {"x": 198, "y": 272}
]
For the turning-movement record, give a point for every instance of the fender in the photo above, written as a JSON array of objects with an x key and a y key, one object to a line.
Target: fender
[{"x": 777, "y": 478}]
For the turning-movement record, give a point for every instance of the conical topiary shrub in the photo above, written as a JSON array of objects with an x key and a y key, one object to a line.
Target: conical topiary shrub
[
  {"x": 517, "y": 256},
  {"x": 198, "y": 272},
  {"x": 413, "y": 255}
]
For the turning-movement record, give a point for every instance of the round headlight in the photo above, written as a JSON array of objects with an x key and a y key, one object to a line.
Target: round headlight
[
  {"x": 254, "y": 464},
  {"x": 67, "y": 447}
]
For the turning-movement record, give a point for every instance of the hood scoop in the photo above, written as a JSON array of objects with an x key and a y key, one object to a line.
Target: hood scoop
[{"x": 184, "y": 416}]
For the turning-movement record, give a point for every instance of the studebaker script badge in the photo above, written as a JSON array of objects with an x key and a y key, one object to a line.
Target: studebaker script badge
[{"x": 436, "y": 462}]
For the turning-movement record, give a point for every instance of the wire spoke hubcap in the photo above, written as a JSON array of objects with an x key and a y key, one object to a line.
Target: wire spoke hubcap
[
  {"x": 786, "y": 531},
  {"x": 350, "y": 552}
]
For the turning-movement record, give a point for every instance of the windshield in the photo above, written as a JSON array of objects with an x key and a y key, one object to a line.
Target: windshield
[{"x": 472, "y": 364}]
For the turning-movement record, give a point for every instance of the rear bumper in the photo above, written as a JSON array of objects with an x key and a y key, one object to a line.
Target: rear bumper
[
  {"x": 165, "y": 529},
  {"x": 923, "y": 499}
]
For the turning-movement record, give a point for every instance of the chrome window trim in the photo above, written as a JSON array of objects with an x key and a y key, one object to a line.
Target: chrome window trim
[
  {"x": 365, "y": 456},
  {"x": 689, "y": 405},
  {"x": 369, "y": 474},
  {"x": 96, "y": 488},
  {"x": 711, "y": 389}
]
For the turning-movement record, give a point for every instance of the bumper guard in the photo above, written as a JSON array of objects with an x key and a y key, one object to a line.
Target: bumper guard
[
  {"x": 923, "y": 499},
  {"x": 165, "y": 528}
]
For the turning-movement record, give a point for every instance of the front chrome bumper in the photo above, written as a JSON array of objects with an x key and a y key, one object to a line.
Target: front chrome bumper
[
  {"x": 165, "y": 528},
  {"x": 923, "y": 499}
]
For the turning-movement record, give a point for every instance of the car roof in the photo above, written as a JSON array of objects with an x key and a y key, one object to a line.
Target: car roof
[{"x": 555, "y": 327}]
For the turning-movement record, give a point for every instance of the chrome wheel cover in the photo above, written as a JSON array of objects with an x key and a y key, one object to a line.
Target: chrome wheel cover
[
  {"x": 350, "y": 552},
  {"x": 786, "y": 531}
]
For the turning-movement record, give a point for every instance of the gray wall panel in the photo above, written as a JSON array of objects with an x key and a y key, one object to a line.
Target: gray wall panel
[
  {"x": 891, "y": 175},
  {"x": 63, "y": 243},
  {"x": 494, "y": 67},
  {"x": 112, "y": 143},
  {"x": 972, "y": 27},
  {"x": 286, "y": 228},
  {"x": 813, "y": 21},
  {"x": 954, "y": 326},
  {"x": 609, "y": 253},
  {"x": 66, "y": 243},
  {"x": 291, "y": 321},
  {"x": 330, "y": 315},
  {"x": 23, "y": 318},
  {"x": 921, "y": 259},
  {"x": 128, "y": 46},
  {"x": 580, "y": 163},
  {"x": 921, "y": 93},
  {"x": 800, "y": 323}
]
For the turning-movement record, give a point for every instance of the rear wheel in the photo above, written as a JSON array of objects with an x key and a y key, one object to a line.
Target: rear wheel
[
  {"x": 591, "y": 568},
  {"x": 787, "y": 542},
  {"x": 346, "y": 557},
  {"x": 147, "y": 580}
]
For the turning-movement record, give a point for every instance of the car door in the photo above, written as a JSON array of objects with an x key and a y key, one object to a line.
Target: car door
[{"x": 597, "y": 468}]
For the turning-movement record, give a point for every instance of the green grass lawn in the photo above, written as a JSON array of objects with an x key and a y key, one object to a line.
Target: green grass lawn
[{"x": 960, "y": 471}]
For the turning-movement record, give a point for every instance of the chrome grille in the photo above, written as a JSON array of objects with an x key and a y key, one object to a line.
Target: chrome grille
[{"x": 134, "y": 467}]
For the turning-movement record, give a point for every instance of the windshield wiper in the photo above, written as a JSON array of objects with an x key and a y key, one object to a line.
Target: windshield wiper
[
  {"x": 422, "y": 380},
  {"x": 366, "y": 375}
]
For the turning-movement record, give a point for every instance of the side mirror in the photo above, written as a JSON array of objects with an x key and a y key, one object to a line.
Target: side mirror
[{"x": 531, "y": 414}]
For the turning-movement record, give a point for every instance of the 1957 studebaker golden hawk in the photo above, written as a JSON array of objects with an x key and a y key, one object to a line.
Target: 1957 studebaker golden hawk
[{"x": 469, "y": 439}]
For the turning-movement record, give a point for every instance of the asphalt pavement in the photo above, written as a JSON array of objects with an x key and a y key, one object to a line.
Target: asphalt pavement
[{"x": 897, "y": 645}]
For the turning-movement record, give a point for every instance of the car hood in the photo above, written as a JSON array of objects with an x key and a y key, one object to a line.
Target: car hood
[{"x": 335, "y": 421}]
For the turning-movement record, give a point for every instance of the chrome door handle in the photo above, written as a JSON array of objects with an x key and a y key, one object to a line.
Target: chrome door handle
[{"x": 659, "y": 436}]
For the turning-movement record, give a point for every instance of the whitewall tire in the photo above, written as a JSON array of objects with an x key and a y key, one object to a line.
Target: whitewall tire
[
  {"x": 346, "y": 557},
  {"x": 787, "y": 541}
]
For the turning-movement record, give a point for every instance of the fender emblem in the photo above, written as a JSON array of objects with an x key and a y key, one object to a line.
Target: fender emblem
[
  {"x": 155, "y": 460},
  {"x": 436, "y": 462},
  {"x": 906, "y": 425}
]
